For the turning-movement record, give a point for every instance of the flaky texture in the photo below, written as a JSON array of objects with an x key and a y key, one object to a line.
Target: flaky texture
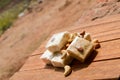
[
  {"x": 63, "y": 47},
  {"x": 77, "y": 43},
  {"x": 57, "y": 41}
]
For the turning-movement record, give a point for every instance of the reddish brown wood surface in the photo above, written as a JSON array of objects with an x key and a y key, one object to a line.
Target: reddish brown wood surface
[
  {"x": 95, "y": 70},
  {"x": 105, "y": 52},
  {"x": 103, "y": 64}
]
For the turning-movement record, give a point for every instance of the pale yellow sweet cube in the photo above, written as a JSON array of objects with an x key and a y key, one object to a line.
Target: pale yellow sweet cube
[{"x": 80, "y": 48}]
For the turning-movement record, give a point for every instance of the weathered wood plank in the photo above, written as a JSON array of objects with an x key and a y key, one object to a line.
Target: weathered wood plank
[
  {"x": 96, "y": 70},
  {"x": 103, "y": 36},
  {"x": 105, "y": 64},
  {"x": 110, "y": 21},
  {"x": 108, "y": 50},
  {"x": 100, "y": 31},
  {"x": 40, "y": 49}
]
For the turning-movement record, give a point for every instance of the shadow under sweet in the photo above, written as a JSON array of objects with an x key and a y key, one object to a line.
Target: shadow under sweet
[{"x": 76, "y": 65}]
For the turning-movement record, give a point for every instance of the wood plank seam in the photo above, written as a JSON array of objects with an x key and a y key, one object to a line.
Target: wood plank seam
[
  {"x": 54, "y": 68},
  {"x": 117, "y": 57},
  {"x": 107, "y": 59},
  {"x": 100, "y": 42},
  {"x": 109, "y": 40},
  {"x": 86, "y": 26}
]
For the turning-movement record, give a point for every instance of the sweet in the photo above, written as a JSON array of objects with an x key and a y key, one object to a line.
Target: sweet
[
  {"x": 47, "y": 57},
  {"x": 80, "y": 48},
  {"x": 58, "y": 61},
  {"x": 57, "y": 41},
  {"x": 63, "y": 47}
]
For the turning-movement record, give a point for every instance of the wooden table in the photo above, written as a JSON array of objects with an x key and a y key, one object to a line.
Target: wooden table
[{"x": 104, "y": 64}]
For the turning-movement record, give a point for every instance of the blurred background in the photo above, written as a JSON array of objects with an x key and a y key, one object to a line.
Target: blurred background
[{"x": 25, "y": 24}]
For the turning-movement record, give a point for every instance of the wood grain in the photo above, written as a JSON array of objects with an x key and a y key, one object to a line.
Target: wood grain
[
  {"x": 96, "y": 70},
  {"x": 106, "y": 52},
  {"x": 101, "y": 64},
  {"x": 102, "y": 37}
]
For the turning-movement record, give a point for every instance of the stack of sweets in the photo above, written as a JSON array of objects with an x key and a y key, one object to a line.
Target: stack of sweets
[{"x": 63, "y": 47}]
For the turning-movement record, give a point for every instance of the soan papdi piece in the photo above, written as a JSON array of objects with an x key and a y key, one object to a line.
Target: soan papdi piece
[
  {"x": 80, "y": 48},
  {"x": 47, "y": 57},
  {"x": 57, "y": 41},
  {"x": 58, "y": 61}
]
